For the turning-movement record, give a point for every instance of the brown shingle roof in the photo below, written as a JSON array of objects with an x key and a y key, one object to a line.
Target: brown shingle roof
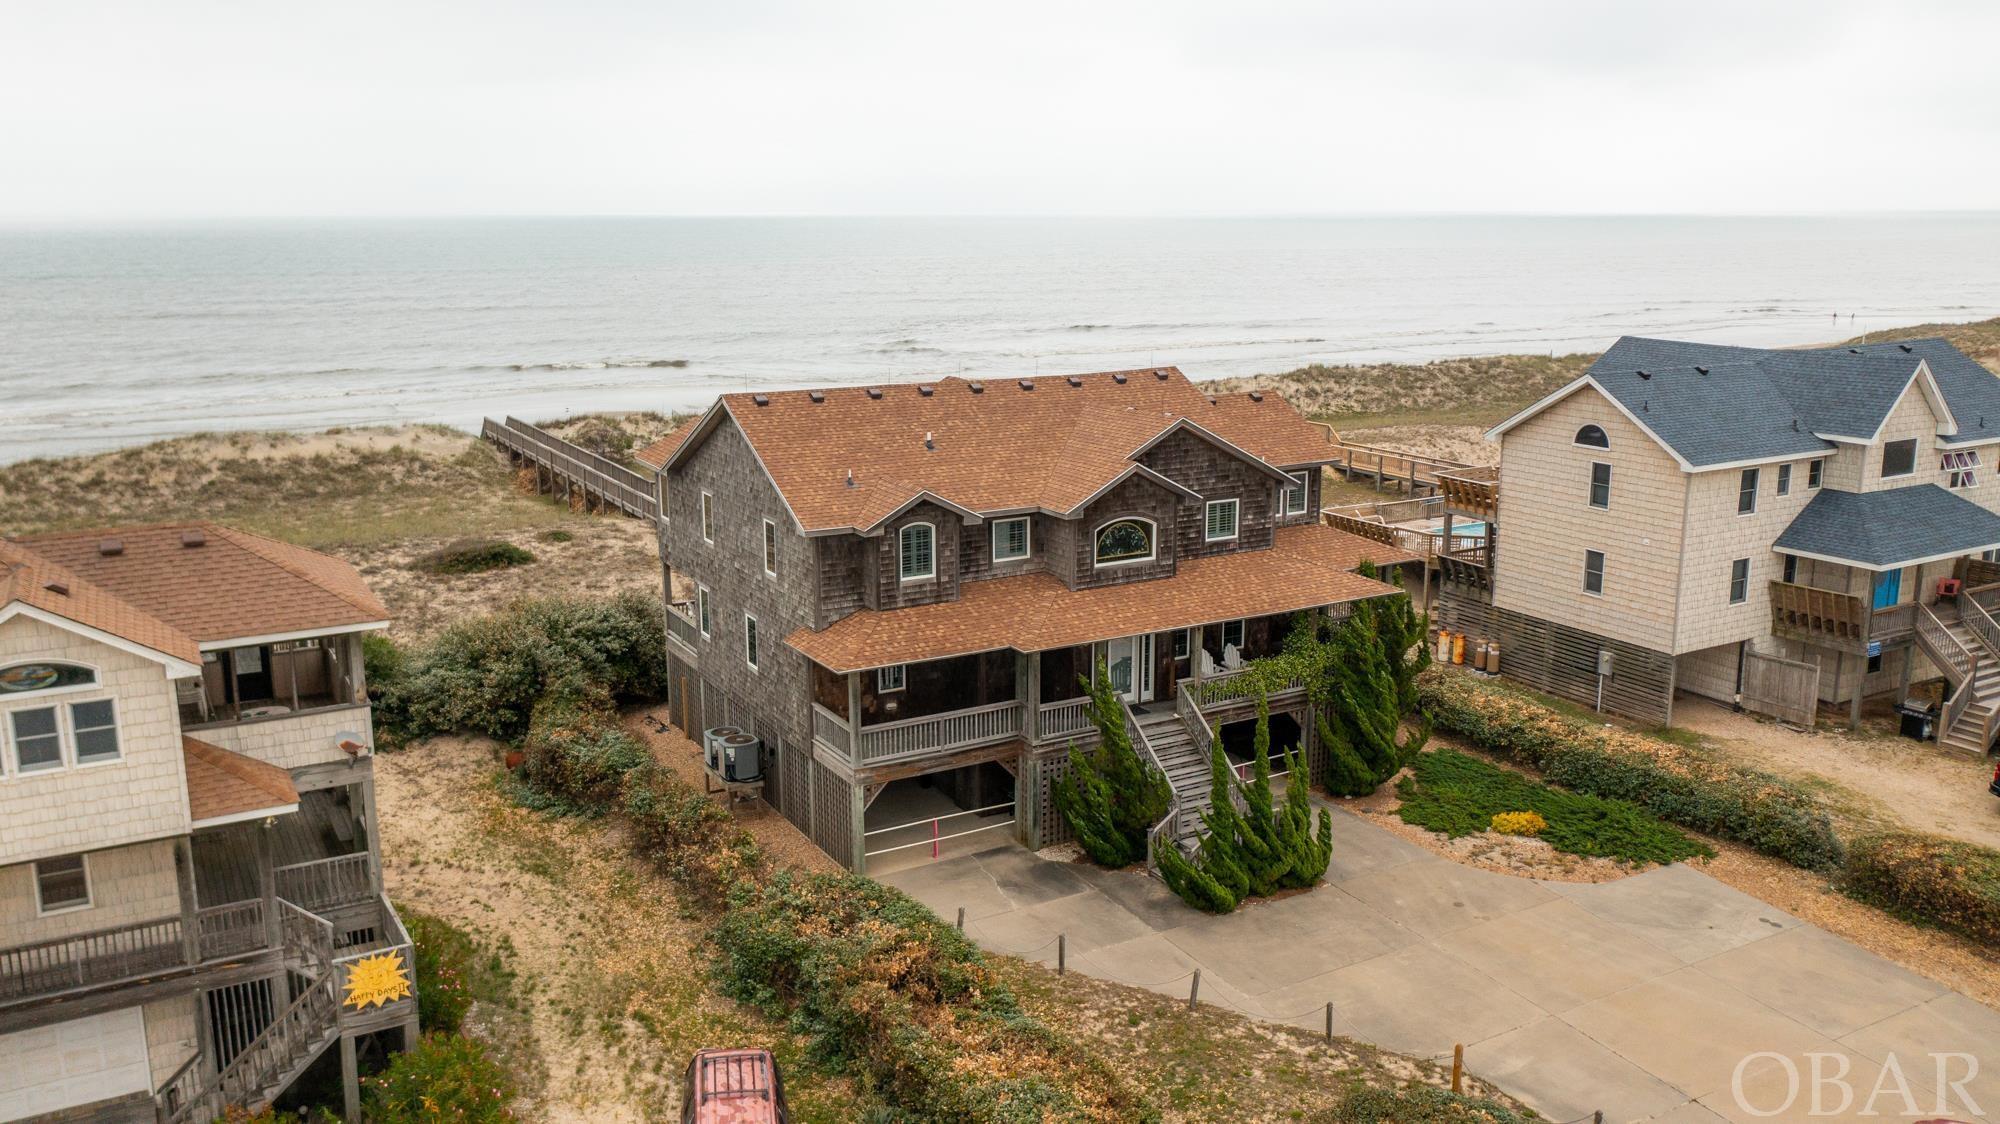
[
  {"x": 993, "y": 445},
  {"x": 657, "y": 453},
  {"x": 234, "y": 584},
  {"x": 27, "y": 577},
  {"x": 222, "y": 784},
  {"x": 1308, "y": 566}
]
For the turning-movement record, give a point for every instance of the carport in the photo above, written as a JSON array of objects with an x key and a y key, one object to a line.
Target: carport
[{"x": 916, "y": 820}]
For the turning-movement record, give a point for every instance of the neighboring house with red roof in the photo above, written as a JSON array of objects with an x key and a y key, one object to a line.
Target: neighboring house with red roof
[
  {"x": 187, "y": 788},
  {"x": 899, "y": 588}
]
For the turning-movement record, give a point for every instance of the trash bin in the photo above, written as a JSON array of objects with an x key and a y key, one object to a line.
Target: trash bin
[{"x": 1919, "y": 719}]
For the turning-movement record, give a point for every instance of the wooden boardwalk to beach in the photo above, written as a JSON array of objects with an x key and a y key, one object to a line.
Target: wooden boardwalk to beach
[{"x": 573, "y": 473}]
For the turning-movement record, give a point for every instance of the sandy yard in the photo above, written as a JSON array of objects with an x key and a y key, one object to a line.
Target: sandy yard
[{"x": 1874, "y": 778}]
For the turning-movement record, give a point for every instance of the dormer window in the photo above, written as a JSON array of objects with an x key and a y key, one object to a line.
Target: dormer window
[
  {"x": 917, "y": 552},
  {"x": 1010, "y": 539},
  {"x": 1219, "y": 523},
  {"x": 1593, "y": 436},
  {"x": 1124, "y": 541},
  {"x": 1295, "y": 495},
  {"x": 1899, "y": 458}
]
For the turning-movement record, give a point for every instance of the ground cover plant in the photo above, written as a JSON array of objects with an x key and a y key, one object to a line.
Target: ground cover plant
[
  {"x": 1457, "y": 794},
  {"x": 1678, "y": 782}
]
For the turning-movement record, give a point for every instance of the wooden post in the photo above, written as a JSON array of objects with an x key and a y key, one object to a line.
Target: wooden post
[
  {"x": 184, "y": 875},
  {"x": 1458, "y": 1068},
  {"x": 267, "y": 881},
  {"x": 1861, "y": 676},
  {"x": 961, "y": 919},
  {"x": 1329, "y": 1020},
  {"x": 1062, "y": 953},
  {"x": 368, "y": 825},
  {"x": 1194, "y": 989},
  {"x": 350, "y": 1081},
  {"x": 1381, "y": 467},
  {"x": 854, "y": 716}
]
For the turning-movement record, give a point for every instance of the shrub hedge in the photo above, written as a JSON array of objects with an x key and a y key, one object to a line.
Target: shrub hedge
[
  {"x": 1945, "y": 882},
  {"x": 473, "y": 556},
  {"x": 1459, "y": 794},
  {"x": 1417, "y": 1105},
  {"x": 1678, "y": 783},
  {"x": 447, "y": 1077}
]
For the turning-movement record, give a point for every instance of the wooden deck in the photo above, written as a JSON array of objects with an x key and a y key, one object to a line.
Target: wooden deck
[
  {"x": 1386, "y": 468},
  {"x": 571, "y": 472}
]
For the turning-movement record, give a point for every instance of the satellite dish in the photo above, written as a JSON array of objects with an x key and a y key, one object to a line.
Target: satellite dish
[{"x": 350, "y": 743}]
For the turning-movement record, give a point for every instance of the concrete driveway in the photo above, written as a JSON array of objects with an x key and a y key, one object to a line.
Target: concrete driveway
[{"x": 1641, "y": 997}]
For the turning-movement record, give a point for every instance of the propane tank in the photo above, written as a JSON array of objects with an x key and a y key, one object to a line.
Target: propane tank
[
  {"x": 1493, "y": 657},
  {"x": 1479, "y": 658},
  {"x": 1444, "y": 645},
  {"x": 1458, "y": 647}
]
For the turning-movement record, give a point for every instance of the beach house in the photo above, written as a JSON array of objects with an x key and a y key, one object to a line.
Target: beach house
[
  {"x": 899, "y": 590},
  {"x": 1783, "y": 528},
  {"x": 191, "y": 905}
]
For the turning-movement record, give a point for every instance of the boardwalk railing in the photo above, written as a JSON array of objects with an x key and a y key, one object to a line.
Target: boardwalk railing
[
  {"x": 1390, "y": 466},
  {"x": 960, "y": 729},
  {"x": 574, "y": 468}
]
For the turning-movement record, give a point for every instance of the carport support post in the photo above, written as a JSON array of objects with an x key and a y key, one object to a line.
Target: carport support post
[
  {"x": 350, "y": 1081},
  {"x": 1861, "y": 674},
  {"x": 857, "y": 819}
]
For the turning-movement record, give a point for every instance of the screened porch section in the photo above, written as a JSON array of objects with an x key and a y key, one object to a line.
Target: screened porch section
[
  {"x": 905, "y": 710},
  {"x": 271, "y": 680}
]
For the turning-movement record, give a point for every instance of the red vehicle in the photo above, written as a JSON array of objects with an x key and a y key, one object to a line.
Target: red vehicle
[
  {"x": 733, "y": 1087},
  {"x": 1994, "y": 788}
]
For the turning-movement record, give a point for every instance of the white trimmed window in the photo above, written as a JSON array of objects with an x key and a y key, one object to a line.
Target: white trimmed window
[
  {"x": 1220, "y": 521},
  {"x": 1815, "y": 472},
  {"x": 1593, "y": 571},
  {"x": 701, "y": 609},
  {"x": 707, "y": 517},
  {"x": 1961, "y": 468},
  {"x": 1293, "y": 499},
  {"x": 1600, "y": 484},
  {"x": 1010, "y": 539},
  {"x": 37, "y": 739},
  {"x": 1739, "y": 581},
  {"x": 750, "y": 641},
  {"x": 1899, "y": 458},
  {"x": 1784, "y": 480},
  {"x": 62, "y": 884},
  {"x": 891, "y": 678},
  {"x": 93, "y": 728},
  {"x": 1746, "y": 492},
  {"x": 916, "y": 552},
  {"x": 770, "y": 549},
  {"x": 1232, "y": 634},
  {"x": 1181, "y": 639}
]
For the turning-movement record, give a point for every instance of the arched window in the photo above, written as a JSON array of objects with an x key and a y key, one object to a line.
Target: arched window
[
  {"x": 23, "y": 677},
  {"x": 1593, "y": 436},
  {"x": 917, "y": 552},
  {"x": 1124, "y": 540}
]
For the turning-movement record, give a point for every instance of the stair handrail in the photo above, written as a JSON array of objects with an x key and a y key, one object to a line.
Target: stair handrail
[
  {"x": 1945, "y": 647},
  {"x": 1982, "y": 624},
  {"x": 1154, "y": 833}
]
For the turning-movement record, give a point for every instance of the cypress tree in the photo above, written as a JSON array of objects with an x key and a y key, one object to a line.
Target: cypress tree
[
  {"x": 1111, "y": 797},
  {"x": 1264, "y": 854}
]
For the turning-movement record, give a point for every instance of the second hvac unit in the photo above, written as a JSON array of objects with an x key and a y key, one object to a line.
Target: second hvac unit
[{"x": 742, "y": 758}]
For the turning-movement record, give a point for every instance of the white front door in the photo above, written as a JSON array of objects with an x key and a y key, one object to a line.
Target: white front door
[{"x": 1130, "y": 660}]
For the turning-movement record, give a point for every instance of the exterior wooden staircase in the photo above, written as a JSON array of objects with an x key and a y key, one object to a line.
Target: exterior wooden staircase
[
  {"x": 1185, "y": 762},
  {"x": 1964, "y": 641}
]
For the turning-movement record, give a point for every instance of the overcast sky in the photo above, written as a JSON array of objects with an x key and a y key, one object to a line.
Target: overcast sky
[{"x": 192, "y": 108}]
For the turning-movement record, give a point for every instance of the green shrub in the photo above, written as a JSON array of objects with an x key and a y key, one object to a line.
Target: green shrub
[
  {"x": 1948, "y": 883},
  {"x": 555, "y": 536},
  {"x": 473, "y": 556},
  {"x": 1257, "y": 850},
  {"x": 885, "y": 990},
  {"x": 1111, "y": 797},
  {"x": 1421, "y": 1104},
  {"x": 1458, "y": 794},
  {"x": 1679, "y": 783},
  {"x": 485, "y": 675},
  {"x": 694, "y": 840},
  {"x": 576, "y": 754},
  {"x": 447, "y": 1077}
]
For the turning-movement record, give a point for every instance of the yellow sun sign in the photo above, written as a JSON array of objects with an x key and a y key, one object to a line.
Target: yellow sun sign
[{"x": 376, "y": 980}]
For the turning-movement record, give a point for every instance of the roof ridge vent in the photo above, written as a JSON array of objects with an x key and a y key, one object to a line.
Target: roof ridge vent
[
  {"x": 194, "y": 536},
  {"x": 111, "y": 548},
  {"x": 761, "y": 399},
  {"x": 1256, "y": 396},
  {"x": 60, "y": 589},
  {"x": 976, "y": 387},
  {"x": 928, "y": 442},
  {"x": 875, "y": 392},
  {"x": 816, "y": 395},
  {"x": 927, "y": 391},
  {"x": 1119, "y": 378},
  {"x": 1027, "y": 384},
  {"x": 1074, "y": 381}
]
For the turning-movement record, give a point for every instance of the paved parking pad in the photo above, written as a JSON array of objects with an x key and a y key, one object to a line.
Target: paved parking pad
[{"x": 1641, "y": 997}]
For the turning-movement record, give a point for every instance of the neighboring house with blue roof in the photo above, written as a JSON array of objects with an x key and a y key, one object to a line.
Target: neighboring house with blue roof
[{"x": 1721, "y": 506}]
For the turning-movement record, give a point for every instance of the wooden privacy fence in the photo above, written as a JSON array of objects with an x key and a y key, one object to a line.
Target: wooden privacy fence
[
  {"x": 1563, "y": 661},
  {"x": 573, "y": 469},
  {"x": 1787, "y": 690}
]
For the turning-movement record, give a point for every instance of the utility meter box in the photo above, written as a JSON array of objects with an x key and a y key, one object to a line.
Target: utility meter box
[{"x": 1604, "y": 663}]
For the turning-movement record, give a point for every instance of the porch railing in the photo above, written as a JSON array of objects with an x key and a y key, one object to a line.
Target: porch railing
[
  {"x": 831, "y": 730},
  {"x": 1981, "y": 622},
  {"x": 325, "y": 883},
  {"x": 1945, "y": 648},
  {"x": 1232, "y": 686},
  {"x": 1894, "y": 623},
  {"x": 1063, "y": 718},
  {"x": 1819, "y": 616},
  {"x": 683, "y": 627},
  {"x": 123, "y": 952},
  {"x": 391, "y": 940},
  {"x": 232, "y": 930},
  {"x": 959, "y": 729}
]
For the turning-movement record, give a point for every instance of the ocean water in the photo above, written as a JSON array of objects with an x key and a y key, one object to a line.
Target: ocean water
[{"x": 115, "y": 336}]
